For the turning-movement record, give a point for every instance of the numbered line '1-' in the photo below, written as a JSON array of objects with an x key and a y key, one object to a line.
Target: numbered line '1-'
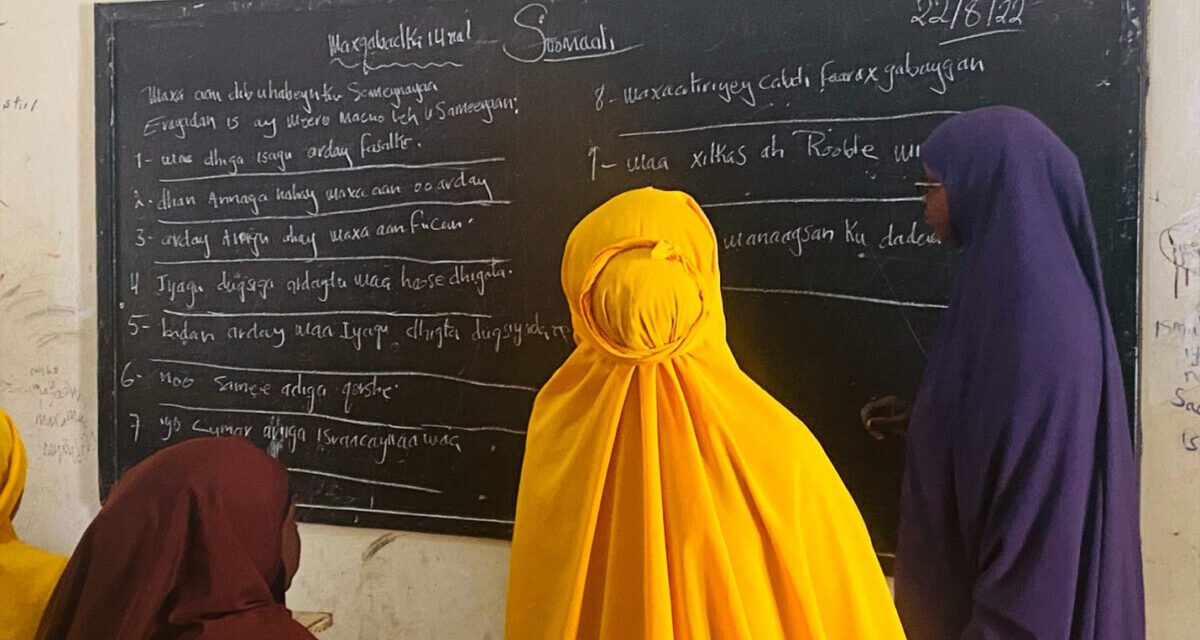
[{"x": 446, "y": 164}]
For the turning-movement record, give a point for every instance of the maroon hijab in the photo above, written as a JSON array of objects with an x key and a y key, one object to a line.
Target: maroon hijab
[{"x": 187, "y": 546}]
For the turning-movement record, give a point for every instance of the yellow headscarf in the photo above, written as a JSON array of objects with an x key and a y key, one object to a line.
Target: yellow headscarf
[
  {"x": 27, "y": 575},
  {"x": 664, "y": 494}
]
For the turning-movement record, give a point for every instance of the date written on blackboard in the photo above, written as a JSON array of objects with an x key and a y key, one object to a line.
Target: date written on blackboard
[{"x": 338, "y": 229}]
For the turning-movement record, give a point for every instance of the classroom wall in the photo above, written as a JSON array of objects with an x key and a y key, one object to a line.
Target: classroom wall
[
  {"x": 412, "y": 586},
  {"x": 1171, "y": 324}
]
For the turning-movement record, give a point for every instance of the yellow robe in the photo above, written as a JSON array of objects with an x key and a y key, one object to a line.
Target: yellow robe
[
  {"x": 27, "y": 575},
  {"x": 664, "y": 494}
]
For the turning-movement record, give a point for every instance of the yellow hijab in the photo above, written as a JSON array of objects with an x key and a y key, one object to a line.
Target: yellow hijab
[
  {"x": 27, "y": 575},
  {"x": 664, "y": 494}
]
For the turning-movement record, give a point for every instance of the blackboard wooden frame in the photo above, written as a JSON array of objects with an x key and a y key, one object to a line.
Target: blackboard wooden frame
[{"x": 1124, "y": 300}]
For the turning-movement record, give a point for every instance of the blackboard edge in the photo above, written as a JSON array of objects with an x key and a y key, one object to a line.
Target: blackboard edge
[
  {"x": 425, "y": 525},
  {"x": 158, "y": 10},
  {"x": 108, "y": 15},
  {"x": 106, "y": 249},
  {"x": 1135, "y": 14}
]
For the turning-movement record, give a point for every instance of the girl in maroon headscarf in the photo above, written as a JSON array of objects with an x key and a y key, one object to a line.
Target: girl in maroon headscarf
[{"x": 198, "y": 541}]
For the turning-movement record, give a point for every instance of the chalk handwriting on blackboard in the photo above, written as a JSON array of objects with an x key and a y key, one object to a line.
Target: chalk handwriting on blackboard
[
  {"x": 338, "y": 230},
  {"x": 541, "y": 46},
  {"x": 972, "y": 18},
  {"x": 372, "y": 52}
]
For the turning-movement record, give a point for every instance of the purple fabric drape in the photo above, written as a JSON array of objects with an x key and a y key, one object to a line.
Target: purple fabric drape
[{"x": 1019, "y": 514}]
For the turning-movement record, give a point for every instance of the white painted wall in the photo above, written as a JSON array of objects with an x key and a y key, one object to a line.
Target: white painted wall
[
  {"x": 419, "y": 586},
  {"x": 1170, "y": 472}
]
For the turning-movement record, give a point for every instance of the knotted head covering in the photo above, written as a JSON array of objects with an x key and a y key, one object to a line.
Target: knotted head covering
[
  {"x": 643, "y": 285},
  {"x": 664, "y": 494}
]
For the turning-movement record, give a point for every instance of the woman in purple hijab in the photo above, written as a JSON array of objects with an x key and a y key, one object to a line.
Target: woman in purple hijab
[{"x": 1019, "y": 510}]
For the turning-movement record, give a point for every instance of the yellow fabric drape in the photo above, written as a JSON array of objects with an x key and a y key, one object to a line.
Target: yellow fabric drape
[
  {"x": 27, "y": 575},
  {"x": 664, "y": 494}
]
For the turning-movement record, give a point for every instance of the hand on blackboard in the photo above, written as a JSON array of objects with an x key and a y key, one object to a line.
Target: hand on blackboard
[{"x": 886, "y": 416}]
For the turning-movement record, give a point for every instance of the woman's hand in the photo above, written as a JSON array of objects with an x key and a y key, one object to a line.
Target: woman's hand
[{"x": 886, "y": 416}]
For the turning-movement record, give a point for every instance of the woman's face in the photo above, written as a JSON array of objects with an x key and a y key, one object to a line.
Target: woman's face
[
  {"x": 937, "y": 210},
  {"x": 291, "y": 547}
]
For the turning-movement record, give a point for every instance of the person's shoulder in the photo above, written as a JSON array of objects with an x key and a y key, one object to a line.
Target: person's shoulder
[
  {"x": 28, "y": 555},
  {"x": 38, "y": 572}
]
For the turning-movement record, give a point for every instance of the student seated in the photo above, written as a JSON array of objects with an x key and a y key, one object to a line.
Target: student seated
[
  {"x": 665, "y": 494},
  {"x": 27, "y": 575},
  {"x": 199, "y": 541}
]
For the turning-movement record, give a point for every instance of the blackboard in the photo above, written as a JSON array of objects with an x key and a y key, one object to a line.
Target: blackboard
[{"x": 336, "y": 227}]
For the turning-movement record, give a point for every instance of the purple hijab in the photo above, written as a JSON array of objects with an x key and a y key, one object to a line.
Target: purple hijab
[{"x": 1019, "y": 511}]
